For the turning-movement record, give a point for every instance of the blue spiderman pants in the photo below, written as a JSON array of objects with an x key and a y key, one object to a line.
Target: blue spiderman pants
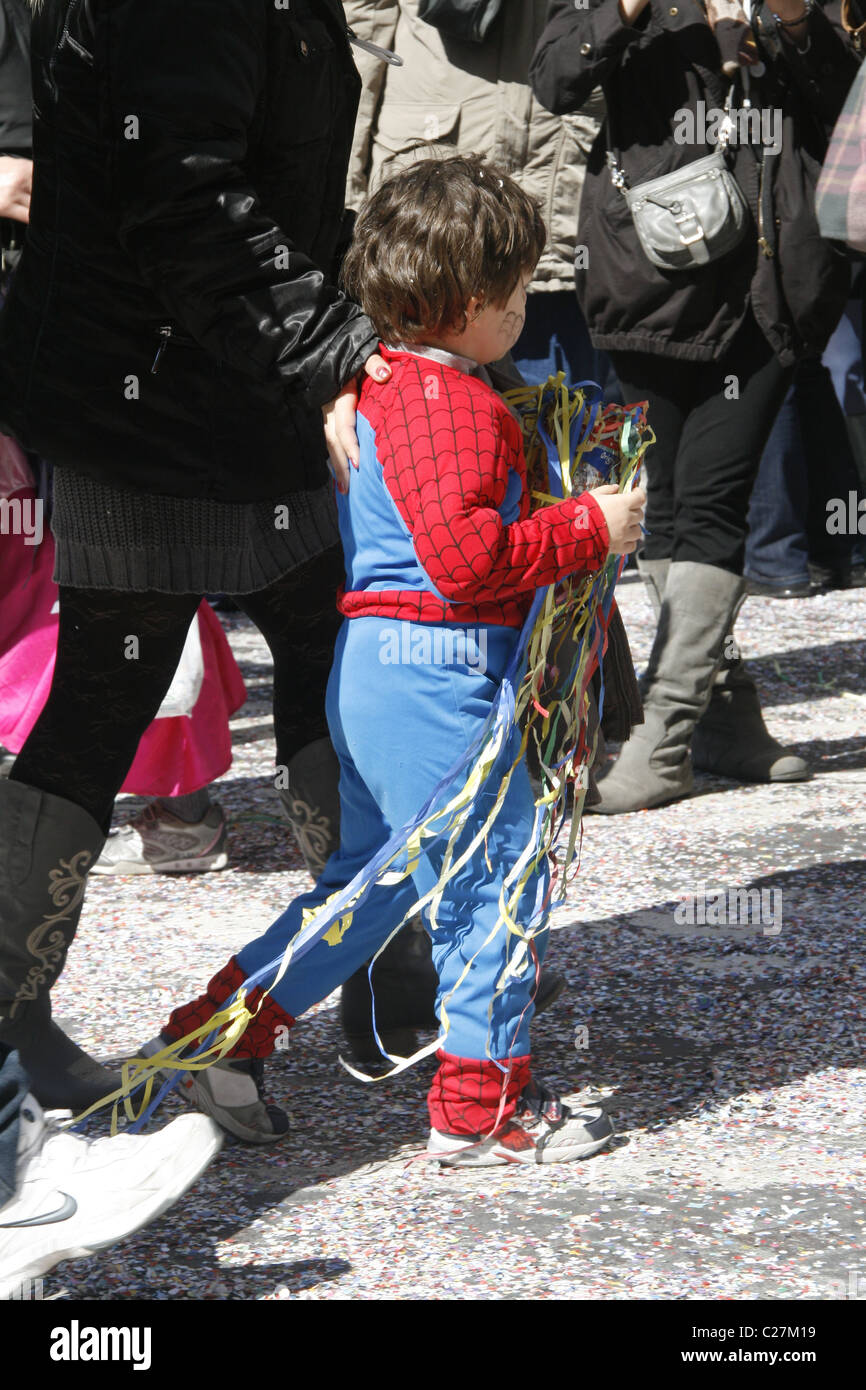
[{"x": 399, "y": 718}]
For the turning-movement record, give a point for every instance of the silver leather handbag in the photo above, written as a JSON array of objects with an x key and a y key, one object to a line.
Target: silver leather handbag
[{"x": 687, "y": 218}]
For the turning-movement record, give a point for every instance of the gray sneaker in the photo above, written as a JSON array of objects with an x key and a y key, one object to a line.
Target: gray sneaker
[
  {"x": 232, "y": 1093},
  {"x": 543, "y": 1130},
  {"x": 157, "y": 842}
]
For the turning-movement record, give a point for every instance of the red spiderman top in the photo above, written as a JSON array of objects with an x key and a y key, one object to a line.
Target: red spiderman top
[{"x": 436, "y": 525}]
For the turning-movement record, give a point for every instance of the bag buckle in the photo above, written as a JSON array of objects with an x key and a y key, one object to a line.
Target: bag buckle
[{"x": 689, "y": 239}]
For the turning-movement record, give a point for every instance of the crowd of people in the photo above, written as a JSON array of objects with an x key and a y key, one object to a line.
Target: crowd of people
[{"x": 264, "y": 286}]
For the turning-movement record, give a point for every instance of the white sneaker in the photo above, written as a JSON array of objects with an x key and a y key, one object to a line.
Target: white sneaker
[
  {"x": 158, "y": 842},
  {"x": 543, "y": 1130},
  {"x": 77, "y": 1195}
]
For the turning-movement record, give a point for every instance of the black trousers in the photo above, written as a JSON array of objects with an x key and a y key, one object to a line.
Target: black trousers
[
  {"x": 712, "y": 421},
  {"x": 117, "y": 654}
]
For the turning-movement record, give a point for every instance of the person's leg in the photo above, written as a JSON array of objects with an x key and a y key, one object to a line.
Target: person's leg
[
  {"x": 668, "y": 388},
  {"x": 734, "y": 405},
  {"x": 116, "y": 655},
  {"x": 298, "y": 618},
  {"x": 846, "y": 360},
  {"x": 777, "y": 552},
  {"x": 13, "y": 1088},
  {"x": 831, "y": 471},
  {"x": 554, "y": 339}
]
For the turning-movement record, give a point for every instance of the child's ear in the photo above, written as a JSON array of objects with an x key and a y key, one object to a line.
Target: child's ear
[{"x": 474, "y": 307}]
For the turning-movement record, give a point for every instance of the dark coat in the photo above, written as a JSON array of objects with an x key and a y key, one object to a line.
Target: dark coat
[
  {"x": 797, "y": 285},
  {"x": 189, "y": 190},
  {"x": 15, "y": 120}
]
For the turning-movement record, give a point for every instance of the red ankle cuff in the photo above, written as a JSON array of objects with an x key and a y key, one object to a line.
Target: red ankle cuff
[
  {"x": 469, "y": 1096},
  {"x": 262, "y": 1034}
]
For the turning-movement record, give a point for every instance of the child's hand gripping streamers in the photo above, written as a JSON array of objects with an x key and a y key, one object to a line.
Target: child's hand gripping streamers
[{"x": 623, "y": 513}]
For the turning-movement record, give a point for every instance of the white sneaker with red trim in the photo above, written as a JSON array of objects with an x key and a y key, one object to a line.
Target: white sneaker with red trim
[{"x": 543, "y": 1130}]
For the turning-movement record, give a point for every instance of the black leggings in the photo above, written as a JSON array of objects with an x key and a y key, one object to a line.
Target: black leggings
[
  {"x": 117, "y": 654},
  {"x": 712, "y": 421}
]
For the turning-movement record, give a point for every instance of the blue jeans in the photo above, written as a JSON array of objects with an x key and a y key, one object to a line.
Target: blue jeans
[
  {"x": 807, "y": 460},
  {"x": 555, "y": 338},
  {"x": 397, "y": 727},
  {"x": 14, "y": 1086}
]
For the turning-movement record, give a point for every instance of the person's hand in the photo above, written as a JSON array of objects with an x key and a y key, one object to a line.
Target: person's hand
[
  {"x": 623, "y": 513},
  {"x": 16, "y": 184},
  {"x": 339, "y": 414}
]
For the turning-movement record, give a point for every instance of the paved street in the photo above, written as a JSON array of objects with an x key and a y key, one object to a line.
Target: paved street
[{"x": 730, "y": 1054}]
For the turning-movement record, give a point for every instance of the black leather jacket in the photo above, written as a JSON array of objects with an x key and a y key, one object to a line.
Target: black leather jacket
[
  {"x": 15, "y": 121},
  {"x": 173, "y": 325}
]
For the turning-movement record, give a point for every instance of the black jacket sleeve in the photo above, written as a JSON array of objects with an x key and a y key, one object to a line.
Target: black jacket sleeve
[
  {"x": 184, "y": 81},
  {"x": 15, "y": 100},
  {"x": 578, "y": 50},
  {"x": 823, "y": 73}
]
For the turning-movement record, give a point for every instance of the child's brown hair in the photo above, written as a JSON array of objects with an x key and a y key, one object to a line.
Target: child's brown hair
[{"x": 433, "y": 236}]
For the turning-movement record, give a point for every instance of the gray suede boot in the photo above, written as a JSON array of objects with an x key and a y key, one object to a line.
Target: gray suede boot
[
  {"x": 731, "y": 738},
  {"x": 697, "y": 613},
  {"x": 654, "y": 574},
  {"x": 47, "y": 846}
]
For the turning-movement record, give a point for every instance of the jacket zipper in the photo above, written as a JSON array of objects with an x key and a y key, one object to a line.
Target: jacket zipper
[
  {"x": 385, "y": 54},
  {"x": 165, "y": 333},
  {"x": 762, "y": 240}
]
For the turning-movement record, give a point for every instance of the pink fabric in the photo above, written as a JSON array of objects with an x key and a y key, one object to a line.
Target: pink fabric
[{"x": 175, "y": 756}]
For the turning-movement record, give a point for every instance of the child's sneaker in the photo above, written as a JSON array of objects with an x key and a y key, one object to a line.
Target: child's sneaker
[
  {"x": 543, "y": 1130},
  {"x": 232, "y": 1093},
  {"x": 157, "y": 842}
]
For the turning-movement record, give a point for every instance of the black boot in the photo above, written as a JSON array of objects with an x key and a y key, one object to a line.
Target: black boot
[
  {"x": 405, "y": 984},
  {"x": 311, "y": 802},
  {"x": 47, "y": 846}
]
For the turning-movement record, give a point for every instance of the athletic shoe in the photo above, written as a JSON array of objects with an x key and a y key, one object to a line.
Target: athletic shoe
[
  {"x": 157, "y": 842},
  {"x": 543, "y": 1130},
  {"x": 76, "y": 1196},
  {"x": 232, "y": 1092}
]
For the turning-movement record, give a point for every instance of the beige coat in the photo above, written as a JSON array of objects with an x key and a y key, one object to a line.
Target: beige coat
[{"x": 474, "y": 98}]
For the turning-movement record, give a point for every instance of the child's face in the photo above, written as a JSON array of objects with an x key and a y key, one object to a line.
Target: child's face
[{"x": 491, "y": 329}]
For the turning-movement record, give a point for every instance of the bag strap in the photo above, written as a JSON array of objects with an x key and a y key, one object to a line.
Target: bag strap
[
  {"x": 618, "y": 176},
  {"x": 856, "y": 31}
]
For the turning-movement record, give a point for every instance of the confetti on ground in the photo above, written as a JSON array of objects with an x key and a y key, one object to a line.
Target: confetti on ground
[{"x": 730, "y": 1054}]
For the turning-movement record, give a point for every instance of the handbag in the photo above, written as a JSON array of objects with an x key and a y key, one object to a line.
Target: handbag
[
  {"x": 469, "y": 20},
  {"x": 689, "y": 217}
]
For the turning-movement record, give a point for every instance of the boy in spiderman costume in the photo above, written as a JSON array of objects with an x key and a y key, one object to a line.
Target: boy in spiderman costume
[{"x": 438, "y": 542}]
